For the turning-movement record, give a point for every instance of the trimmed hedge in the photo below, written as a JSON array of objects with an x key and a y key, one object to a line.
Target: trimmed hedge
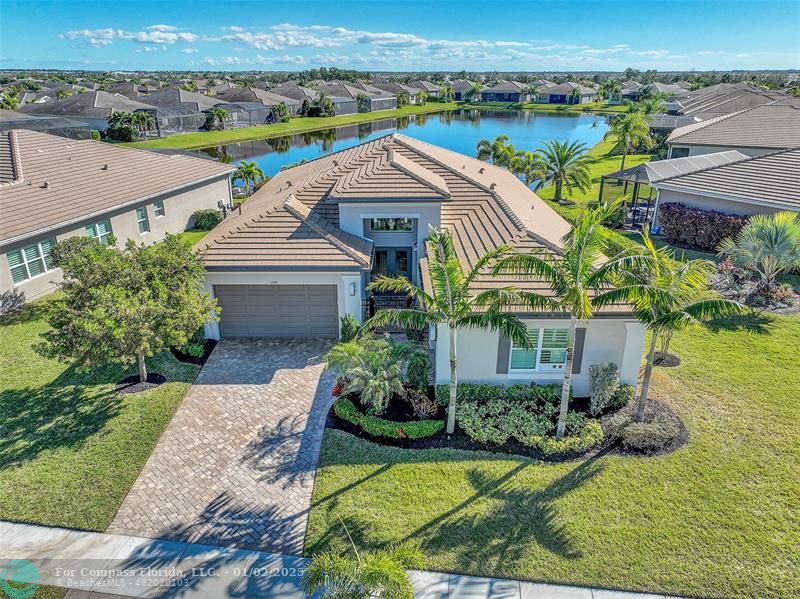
[
  {"x": 477, "y": 392},
  {"x": 378, "y": 427},
  {"x": 697, "y": 228},
  {"x": 207, "y": 219}
]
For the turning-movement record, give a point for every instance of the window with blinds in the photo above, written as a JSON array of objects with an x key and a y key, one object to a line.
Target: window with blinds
[
  {"x": 549, "y": 351},
  {"x": 142, "y": 221},
  {"x": 30, "y": 261},
  {"x": 100, "y": 230},
  {"x": 158, "y": 208}
]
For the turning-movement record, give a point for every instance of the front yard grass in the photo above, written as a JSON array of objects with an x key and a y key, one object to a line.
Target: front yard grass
[
  {"x": 719, "y": 517},
  {"x": 70, "y": 447}
]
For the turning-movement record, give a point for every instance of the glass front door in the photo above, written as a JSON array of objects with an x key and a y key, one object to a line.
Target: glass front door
[{"x": 393, "y": 262}]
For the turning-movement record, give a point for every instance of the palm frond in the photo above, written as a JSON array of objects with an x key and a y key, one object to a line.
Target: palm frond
[{"x": 405, "y": 317}]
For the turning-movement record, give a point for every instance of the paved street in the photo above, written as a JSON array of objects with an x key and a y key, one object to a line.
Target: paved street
[{"x": 236, "y": 465}]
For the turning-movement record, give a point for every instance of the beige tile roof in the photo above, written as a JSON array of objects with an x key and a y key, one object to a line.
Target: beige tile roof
[
  {"x": 769, "y": 126},
  {"x": 61, "y": 181},
  {"x": 773, "y": 178}
]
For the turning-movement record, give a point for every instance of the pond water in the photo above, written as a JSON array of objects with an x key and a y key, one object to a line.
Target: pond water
[{"x": 458, "y": 130}]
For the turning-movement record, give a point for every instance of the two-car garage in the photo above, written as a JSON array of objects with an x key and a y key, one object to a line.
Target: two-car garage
[{"x": 278, "y": 310}]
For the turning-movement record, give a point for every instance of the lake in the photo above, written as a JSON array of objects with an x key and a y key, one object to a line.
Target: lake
[{"x": 458, "y": 130}]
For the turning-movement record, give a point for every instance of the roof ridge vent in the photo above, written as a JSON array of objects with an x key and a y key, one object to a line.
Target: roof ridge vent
[
  {"x": 104, "y": 167},
  {"x": 46, "y": 185}
]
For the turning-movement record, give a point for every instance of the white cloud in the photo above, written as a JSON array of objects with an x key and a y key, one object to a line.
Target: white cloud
[
  {"x": 154, "y": 34},
  {"x": 161, "y": 28},
  {"x": 189, "y": 50}
]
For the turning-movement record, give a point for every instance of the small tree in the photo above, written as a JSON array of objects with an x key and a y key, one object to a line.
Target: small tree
[
  {"x": 63, "y": 94},
  {"x": 121, "y": 127},
  {"x": 529, "y": 166},
  {"x": 124, "y": 305},
  {"x": 249, "y": 173},
  {"x": 473, "y": 92},
  {"x": 422, "y": 98},
  {"x": 403, "y": 99},
  {"x": 281, "y": 113},
  {"x": 216, "y": 118},
  {"x": 362, "y": 102}
]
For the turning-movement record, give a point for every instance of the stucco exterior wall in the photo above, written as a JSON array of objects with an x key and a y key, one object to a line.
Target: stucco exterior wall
[
  {"x": 620, "y": 341},
  {"x": 348, "y": 288},
  {"x": 178, "y": 209}
]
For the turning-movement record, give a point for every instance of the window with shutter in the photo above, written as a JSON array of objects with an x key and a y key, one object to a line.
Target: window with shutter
[
  {"x": 549, "y": 351},
  {"x": 30, "y": 261}
]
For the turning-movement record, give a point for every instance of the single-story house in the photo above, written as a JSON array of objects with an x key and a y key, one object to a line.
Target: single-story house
[
  {"x": 460, "y": 88},
  {"x": 428, "y": 87},
  {"x": 566, "y": 93},
  {"x": 669, "y": 90},
  {"x": 751, "y": 185},
  {"x": 397, "y": 89},
  {"x": 754, "y": 132},
  {"x": 721, "y": 99},
  {"x": 256, "y": 94},
  {"x": 171, "y": 97},
  {"x": 300, "y": 253},
  {"x": 246, "y": 114},
  {"x": 342, "y": 104},
  {"x": 54, "y": 125},
  {"x": 378, "y": 98},
  {"x": 52, "y": 188},
  {"x": 506, "y": 91},
  {"x": 630, "y": 91},
  {"x": 175, "y": 119},
  {"x": 93, "y": 107}
]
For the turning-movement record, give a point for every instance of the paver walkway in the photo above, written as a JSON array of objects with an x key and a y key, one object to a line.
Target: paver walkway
[
  {"x": 236, "y": 465},
  {"x": 100, "y": 566}
]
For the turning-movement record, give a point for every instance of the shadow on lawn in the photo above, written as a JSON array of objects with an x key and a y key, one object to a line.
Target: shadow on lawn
[
  {"x": 63, "y": 413},
  {"x": 753, "y": 322}
]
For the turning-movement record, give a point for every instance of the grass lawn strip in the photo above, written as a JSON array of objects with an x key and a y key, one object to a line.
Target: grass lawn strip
[
  {"x": 719, "y": 517},
  {"x": 70, "y": 448},
  {"x": 203, "y": 139}
]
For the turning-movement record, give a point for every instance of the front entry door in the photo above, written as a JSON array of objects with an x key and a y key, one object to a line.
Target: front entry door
[{"x": 393, "y": 262}]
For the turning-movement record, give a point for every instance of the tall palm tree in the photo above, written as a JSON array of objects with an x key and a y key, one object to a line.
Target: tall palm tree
[
  {"x": 143, "y": 122},
  {"x": 576, "y": 283},
  {"x": 499, "y": 152},
  {"x": 454, "y": 301},
  {"x": 631, "y": 130},
  {"x": 446, "y": 92},
  {"x": 613, "y": 89},
  {"x": 250, "y": 174},
  {"x": 648, "y": 105},
  {"x": 667, "y": 295},
  {"x": 565, "y": 163},
  {"x": 473, "y": 92},
  {"x": 767, "y": 245},
  {"x": 529, "y": 166},
  {"x": 217, "y": 117}
]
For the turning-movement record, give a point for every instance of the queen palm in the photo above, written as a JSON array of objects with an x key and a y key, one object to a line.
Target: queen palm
[
  {"x": 454, "y": 301},
  {"x": 565, "y": 164},
  {"x": 529, "y": 166},
  {"x": 473, "y": 92},
  {"x": 250, "y": 174},
  {"x": 631, "y": 130},
  {"x": 499, "y": 152},
  {"x": 579, "y": 278},
  {"x": 667, "y": 295},
  {"x": 217, "y": 117},
  {"x": 613, "y": 89}
]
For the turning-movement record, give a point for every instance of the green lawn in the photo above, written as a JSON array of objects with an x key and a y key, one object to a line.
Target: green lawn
[
  {"x": 70, "y": 447},
  {"x": 720, "y": 517},
  {"x": 192, "y": 236},
  {"x": 188, "y": 141}
]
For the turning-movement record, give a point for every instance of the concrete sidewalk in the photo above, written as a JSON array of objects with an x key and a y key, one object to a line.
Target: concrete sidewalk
[{"x": 98, "y": 563}]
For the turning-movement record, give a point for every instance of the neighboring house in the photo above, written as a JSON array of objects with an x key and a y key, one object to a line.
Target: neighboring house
[
  {"x": 428, "y": 87},
  {"x": 754, "y": 131},
  {"x": 171, "y": 97},
  {"x": 378, "y": 98},
  {"x": 506, "y": 91},
  {"x": 54, "y": 125},
  {"x": 721, "y": 99},
  {"x": 93, "y": 107},
  {"x": 398, "y": 88},
  {"x": 256, "y": 94},
  {"x": 460, "y": 88},
  {"x": 343, "y": 104},
  {"x": 132, "y": 91},
  {"x": 246, "y": 114},
  {"x": 566, "y": 93},
  {"x": 630, "y": 91},
  {"x": 753, "y": 185},
  {"x": 301, "y": 252},
  {"x": 668, "y": 90},
  {"x": 52, "y": 188}
]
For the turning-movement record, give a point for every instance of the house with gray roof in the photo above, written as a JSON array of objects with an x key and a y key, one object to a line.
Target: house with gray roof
[
  {"x": 506, "y": 91},
  {"x": 460, "y": 88},
  {"x": 428, "y": 87},
  {"x": 399, "y": 88},
  {"x": 52, "y": 188},
  {"x": 721, "y": 99},
  {"x": 566, "y": 93},
  {"x": 307, "y": 95},
  {"x": 256, "y": 94},
  {"x": 94, "y": 107},
  {"x": 762, "y": 184},
  {"x": 299, "y": 255},
  {"x": 377, "y": 99},
  {"x": 754, "y": 131},
  {"x": 171, "y": 97}
]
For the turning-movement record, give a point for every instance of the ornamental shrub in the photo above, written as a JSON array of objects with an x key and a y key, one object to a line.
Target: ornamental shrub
[
  {"x": 378, "y": 427},
  {"x": 649, "y": 436},
  {"x": 349, "y": 328},
  {"x": 697, "y": 228},
  {"x": 207, "y": 219},
  {"x": 419, "y": 369},
  {"x": 590, "y": 436},
  {"x": 603, "y": 383},
  {"x": 485, "y": 422},
  {"x": 623, "y": 395},
  {"x": 476, "y": 392}
]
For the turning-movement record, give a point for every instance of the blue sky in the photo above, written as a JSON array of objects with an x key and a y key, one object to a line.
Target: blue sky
[{"x": 401, "y": 35}]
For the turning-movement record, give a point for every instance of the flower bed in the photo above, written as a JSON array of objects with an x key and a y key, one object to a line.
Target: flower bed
[{"x": 379, "y": 427}]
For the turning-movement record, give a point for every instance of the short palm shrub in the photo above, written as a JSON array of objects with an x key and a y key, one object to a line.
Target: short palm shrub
[
  {"x": 207, "y": 219},
  {"x": 349, "y": 328},
  {"x": 603, "y": 383},
  {"x": 196, "y": 345}
]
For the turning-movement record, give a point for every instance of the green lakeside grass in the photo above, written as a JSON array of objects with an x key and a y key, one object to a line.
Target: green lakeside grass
[
  {"x": 204, "y": 139},
  {"x": 720, "y": 517},
  {"x": 70, "y": 447}
]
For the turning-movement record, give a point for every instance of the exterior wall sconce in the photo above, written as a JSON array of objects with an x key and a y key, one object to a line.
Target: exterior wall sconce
[{"x": 351, "y": 289}]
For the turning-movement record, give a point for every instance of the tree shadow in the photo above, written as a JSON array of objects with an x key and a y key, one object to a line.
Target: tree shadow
[
  {"x": 63, "y": 413},
  {"x": 753, "y": 322},
  {"x": 14, "y": 310},
  {"x": 11, "y": 300}
]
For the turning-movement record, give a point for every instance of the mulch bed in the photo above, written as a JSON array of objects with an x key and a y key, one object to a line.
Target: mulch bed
[
  {"x": 666, "y": 360},
  {"x": 209, "y": 344},
  {"x": 654, "y": 408},
  {"x": 132, "y": 384}
]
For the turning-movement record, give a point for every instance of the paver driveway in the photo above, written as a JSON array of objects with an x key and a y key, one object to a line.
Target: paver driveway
[{"x": 235, "y": 467}]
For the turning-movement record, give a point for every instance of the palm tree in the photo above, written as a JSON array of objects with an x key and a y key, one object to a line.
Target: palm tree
[
  {"x": 648, "y": 105},
  {"x": 529, "y": 166},
  {"x": 454, "y": 302},
  {"x": 143, "y": 122},
  {"x": 248, "y": 173},
  {"x": 499, "y": 151},
  {"x": 613, "y": 89},
  {"x": 473, "y": 92},
  {"x": 10, "y": 99},
  {"x": 768, "y": 245},
  {"x": 381, "y": 574},
  {"x": 631, "y": 130},
  {"x": 573, "y": 278},
  {"x": 575, "y": 96},
  {"x": 217, "y": 117},
  {"x": 667, "y": 295},
  {"x": 565, "y": 163}
]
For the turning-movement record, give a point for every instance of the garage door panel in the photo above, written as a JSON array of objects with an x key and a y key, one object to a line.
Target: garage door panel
[{"x": 278, "y": 310}]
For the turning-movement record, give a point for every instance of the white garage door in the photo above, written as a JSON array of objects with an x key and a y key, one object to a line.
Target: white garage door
[{"x": 278, "y": 310}]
